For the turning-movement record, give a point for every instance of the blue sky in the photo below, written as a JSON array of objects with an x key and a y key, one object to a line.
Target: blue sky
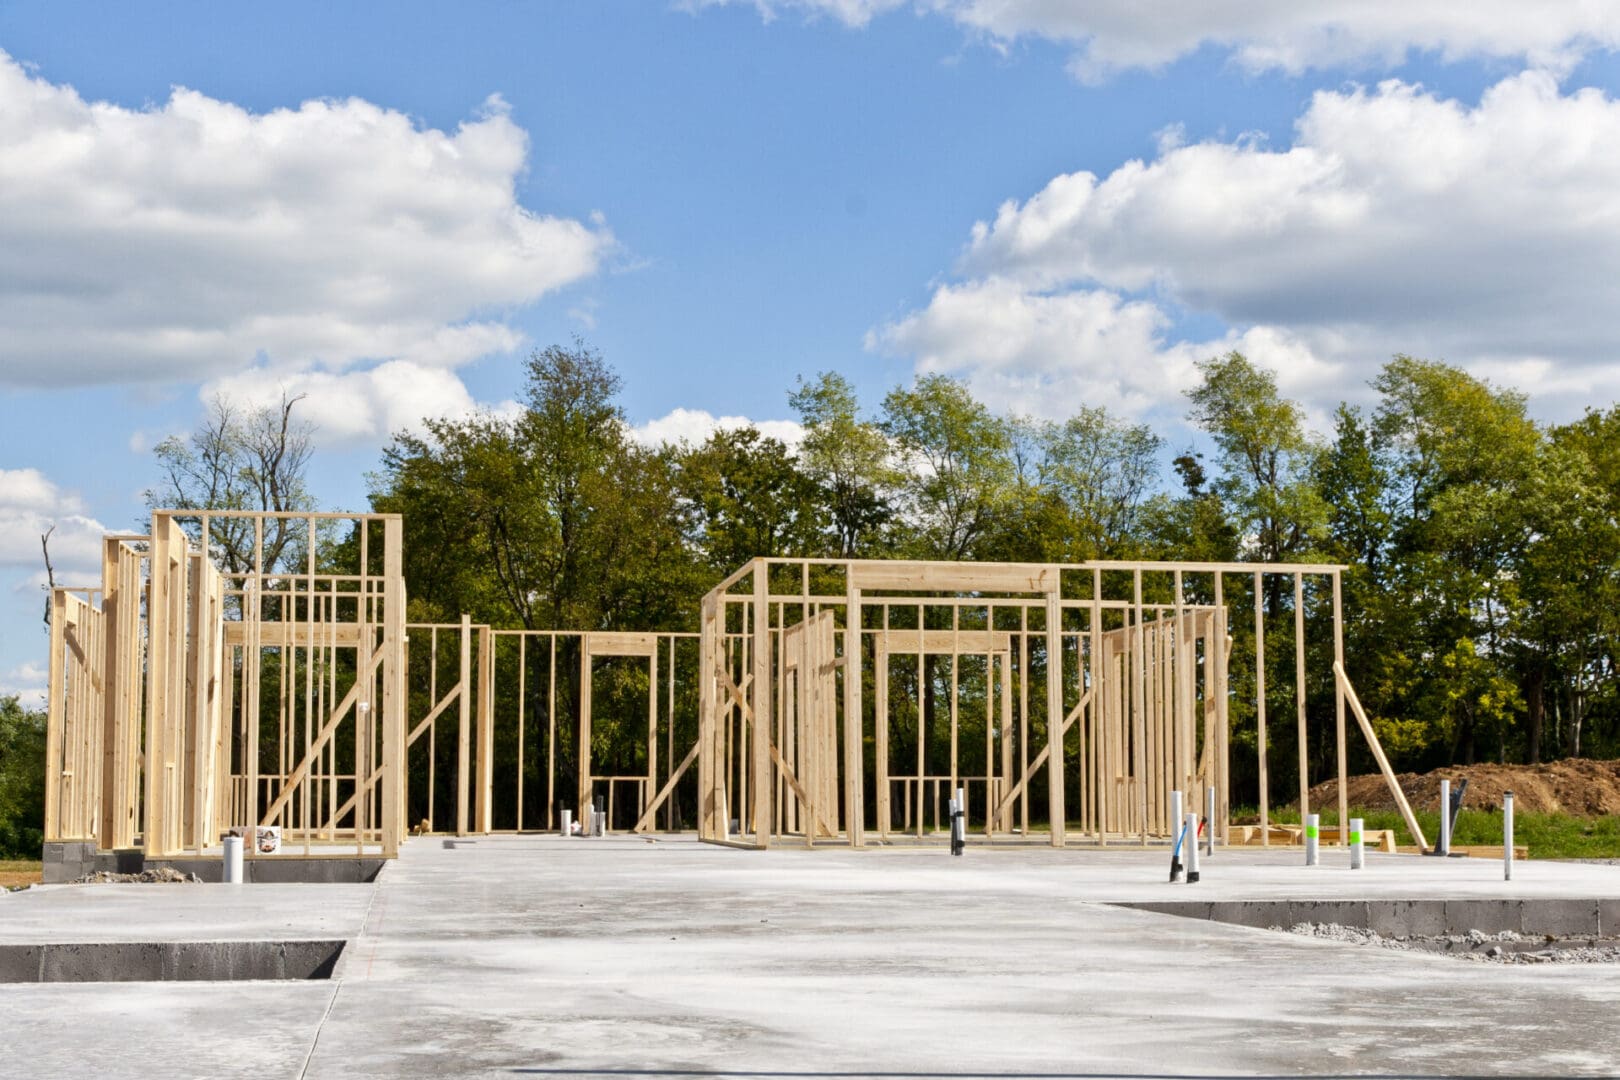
[{"x": 387, "y": 206}]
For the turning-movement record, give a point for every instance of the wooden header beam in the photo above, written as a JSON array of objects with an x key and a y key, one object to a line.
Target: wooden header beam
[{"x": 953, "y": 577}]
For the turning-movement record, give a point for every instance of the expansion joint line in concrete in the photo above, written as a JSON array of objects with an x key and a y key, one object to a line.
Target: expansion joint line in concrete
[
  {"x": 316, "y": 1041},
  {"x": 337, "y": 983}
]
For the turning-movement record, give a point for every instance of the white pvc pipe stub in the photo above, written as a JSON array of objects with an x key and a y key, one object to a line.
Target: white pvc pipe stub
[
  {"x": 959, "y": 822},
  {"x": 1358, "y": 853},
  {"x": 232, "y": 874},
  {"x": 567, "y": 822},
  {"x": 1313, "y": 834},
  {"x": 1507, "y": 836},
  {"x": 1177, "y": 836},
  {"x": 1444, "y": 847},
  {"x": 1192, "y": 849}
]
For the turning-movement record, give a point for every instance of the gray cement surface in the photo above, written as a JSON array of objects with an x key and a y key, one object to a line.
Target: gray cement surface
[{"x": 621, "y": 957}]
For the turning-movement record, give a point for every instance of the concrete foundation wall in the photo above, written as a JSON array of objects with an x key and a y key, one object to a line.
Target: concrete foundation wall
[
  {"x": 1559, "y": 917},
  {"x": 163, "y": 961},
  {"x": 70, "y": 860}
]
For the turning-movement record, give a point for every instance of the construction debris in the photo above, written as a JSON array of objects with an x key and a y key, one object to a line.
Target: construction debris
[
  {"x": 1507, "y": 947},
  {"x": 162, "y": 875}
]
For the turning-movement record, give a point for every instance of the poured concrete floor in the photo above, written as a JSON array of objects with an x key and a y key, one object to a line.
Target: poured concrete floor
[{"x": 623, "y": 957}]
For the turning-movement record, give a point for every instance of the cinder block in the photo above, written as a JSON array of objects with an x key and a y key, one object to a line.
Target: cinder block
[
  {"x": 1407, "y": 918},
  {"x": 1486, "y": 916},
  {"x": 66, "y": 860},
  {"x": 20, "y": 963},
  {"x": 1561, "y": 917}
]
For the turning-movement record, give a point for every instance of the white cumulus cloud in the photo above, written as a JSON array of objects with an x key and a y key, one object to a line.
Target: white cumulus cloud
[
  {"x": 1109, "y": 36},
  {"x": 29, "y": 681},
  {"x": 1488, "y": 235},
  {"x": 1047, "y": 354},
  {"x": 365, "y": 405},
  {"x": 692, "y": 426},
  {"x": 186, "y": 240},
  {"x": 30, "y": 505}
]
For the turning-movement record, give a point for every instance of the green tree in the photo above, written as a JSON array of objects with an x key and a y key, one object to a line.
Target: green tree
[
  {"x": 1265, "y": 458},
  {"x": 22, "y": 779},
  {"x": 748, "y": 498},
  {"x": 1193, "y": 525},
  {"x": 956, "y": 471},
  {"x": 1569, "y": 580},
  {"x": 1463, "y": 460},
  {"x": 849, "y": 459},
  {"x": 550, "y": 519},
  {"x": 1101, "y": 470}
]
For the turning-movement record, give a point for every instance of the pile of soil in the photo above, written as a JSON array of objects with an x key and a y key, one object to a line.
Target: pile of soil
[{"x": 1579, "y": 787}]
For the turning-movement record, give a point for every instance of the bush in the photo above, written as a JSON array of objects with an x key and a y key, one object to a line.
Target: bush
[{"x": 22, "y": 780}]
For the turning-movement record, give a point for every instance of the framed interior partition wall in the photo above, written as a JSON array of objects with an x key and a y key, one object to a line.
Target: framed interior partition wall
[
  {"x": 1064, "y": 699},
  {"x": 508, "y": 728}
]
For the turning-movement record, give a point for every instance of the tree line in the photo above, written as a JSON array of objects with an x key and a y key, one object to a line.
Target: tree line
[
  {"x": 1484, "y": 547},
  {"x": 1481, "y": 603}
]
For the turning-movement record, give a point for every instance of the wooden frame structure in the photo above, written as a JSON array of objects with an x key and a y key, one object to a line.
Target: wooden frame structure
[
  {"x": 267, "y": 696},
  {"x": 821, "y": 699},
  {"x": 1113, "y": 676},
  {"x": 502, "y": 684},
  {"x": 186, "y": 701}
]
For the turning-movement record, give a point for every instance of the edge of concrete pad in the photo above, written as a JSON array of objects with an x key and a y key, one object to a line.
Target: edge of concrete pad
[
  {"x": 171, "y": 961},
  {"x": 1555, "y": 916},
  {"x": 1609, "y": 917}
]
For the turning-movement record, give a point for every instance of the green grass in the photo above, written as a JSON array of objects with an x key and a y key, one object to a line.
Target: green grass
[
  {"x": 1547, "y": 836},
  {"x": 15, "y": 873}
]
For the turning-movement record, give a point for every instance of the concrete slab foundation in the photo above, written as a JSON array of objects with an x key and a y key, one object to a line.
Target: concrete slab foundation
[{"x": 544, "y": 956}]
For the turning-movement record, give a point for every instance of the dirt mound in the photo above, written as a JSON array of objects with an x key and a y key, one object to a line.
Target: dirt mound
[{"x": 1576, "y": 786}]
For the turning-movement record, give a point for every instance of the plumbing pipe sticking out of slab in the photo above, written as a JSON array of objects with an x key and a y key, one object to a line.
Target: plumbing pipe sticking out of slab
[
  {"x": 1191, "y": 832},
  {"x": 1313, "y": 833},
  {"x": 567, "y": 822},
  {"x": 958, "y": 822},
  {"x": 233, "y": 861},
  {"x": 1358, "y": 854},
  {"x": 1443, "y": 848},
  {"x": 1507, "y": 836},
  {"x": 1176, "y": 833}
]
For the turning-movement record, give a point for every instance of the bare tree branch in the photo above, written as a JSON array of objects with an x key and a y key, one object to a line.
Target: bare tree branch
[{"x": 50, "y": 572}]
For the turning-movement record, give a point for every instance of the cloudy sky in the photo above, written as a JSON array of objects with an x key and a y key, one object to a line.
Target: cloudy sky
[{"x": 1064, "y": 202}]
